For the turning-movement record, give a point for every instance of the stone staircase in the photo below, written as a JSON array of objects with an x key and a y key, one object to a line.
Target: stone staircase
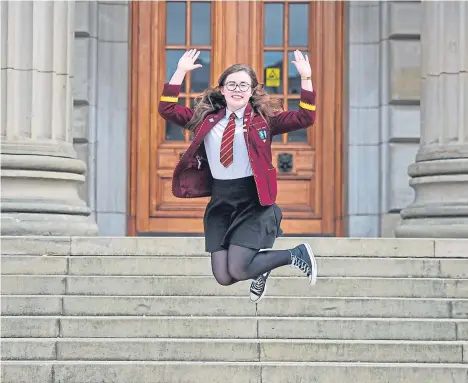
[{"x": 140, "y": 310}]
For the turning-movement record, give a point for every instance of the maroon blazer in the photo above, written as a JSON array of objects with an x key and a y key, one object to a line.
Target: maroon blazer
[{"x": 192, "y": 176}]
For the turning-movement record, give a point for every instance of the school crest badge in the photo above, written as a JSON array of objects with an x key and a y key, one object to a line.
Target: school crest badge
[{"x": 262, "y": 133}]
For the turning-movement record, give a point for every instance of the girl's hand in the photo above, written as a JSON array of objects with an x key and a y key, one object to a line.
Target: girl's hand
[
  {"x": 187, "y": 61},
  {"x": 302, "y": 64}
]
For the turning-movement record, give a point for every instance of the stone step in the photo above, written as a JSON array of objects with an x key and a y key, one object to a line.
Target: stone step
[
  {"x": 229, "y": 350},
  {"x": 31, "y": 304},
  {"x": 234, "y": 306},
  {"x": 222, "y": 372},
  {"x": 365, "y": 247},
  {"x": 207, "y": 286},
  {"x": 200, "y": 266},
  {"x": 30, "y": 327},
  {"x": 236, "y": 328}
]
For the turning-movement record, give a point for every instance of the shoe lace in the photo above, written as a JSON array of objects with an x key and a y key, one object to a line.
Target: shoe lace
[
  {"x": 258, "y": 285},
  {"x": 301, "y": 265}
]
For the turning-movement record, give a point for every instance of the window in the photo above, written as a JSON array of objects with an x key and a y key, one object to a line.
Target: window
[
  {"x": 188, "y": 25},
  {"x": 286, "y": 28}
]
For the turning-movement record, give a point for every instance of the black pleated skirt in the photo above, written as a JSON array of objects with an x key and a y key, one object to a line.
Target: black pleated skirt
[{"x": 234, "y": 216}]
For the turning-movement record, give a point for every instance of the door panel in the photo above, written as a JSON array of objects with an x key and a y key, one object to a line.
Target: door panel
[
  {"x": 263, "y": 35},
  {"x": 177, "y": 23}
]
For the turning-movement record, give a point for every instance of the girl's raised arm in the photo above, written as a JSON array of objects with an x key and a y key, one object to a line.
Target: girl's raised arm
[
  {"x": 169, "y": 109},
  {"x": 303, "y": 118}
]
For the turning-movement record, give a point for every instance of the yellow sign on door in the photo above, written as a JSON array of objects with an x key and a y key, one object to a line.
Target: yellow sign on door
[{"x": 272, "y": 77}]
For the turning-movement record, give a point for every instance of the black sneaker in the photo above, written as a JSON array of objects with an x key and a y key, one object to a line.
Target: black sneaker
[
  {"x": 258, "y": 288},
  {"x": 302, "y": 258}
]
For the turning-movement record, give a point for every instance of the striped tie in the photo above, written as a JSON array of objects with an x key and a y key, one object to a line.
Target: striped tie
[{"x": 227, "y": 143}]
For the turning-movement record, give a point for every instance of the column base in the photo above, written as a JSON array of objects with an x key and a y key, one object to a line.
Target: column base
[
  {"x": 433, "y": 228},
  {"x": 40, "y": 197},
  {"x": 30, "y": 224},
  {"x": 440, "y": 207}
]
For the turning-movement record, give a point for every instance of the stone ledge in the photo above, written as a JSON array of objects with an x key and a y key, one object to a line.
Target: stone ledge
[
  {"x": 96, "y": 306},
  {"x": 246, "y": 372},
  {"x": 451, "y": 248},
  {"x": 271, "y": 350},
  {"x": 336, "y": 247},
  {"x": 19, "y": 245}
]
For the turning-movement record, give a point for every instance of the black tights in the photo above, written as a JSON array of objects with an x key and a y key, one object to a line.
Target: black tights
[{"x": 241, "y": 263}]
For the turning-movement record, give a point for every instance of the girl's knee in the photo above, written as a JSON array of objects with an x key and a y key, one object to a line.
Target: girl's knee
[
  {"x": 223, "y": 279},
  {"x": 238, "y": 272},
  {"x": 239, "y": 260},
  {"x": 219, "y": 268}
]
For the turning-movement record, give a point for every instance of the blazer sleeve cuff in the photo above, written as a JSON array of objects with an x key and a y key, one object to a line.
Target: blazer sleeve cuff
[
  {"x": 171, "y": 92},
  {"x": 307, "y": 101}
]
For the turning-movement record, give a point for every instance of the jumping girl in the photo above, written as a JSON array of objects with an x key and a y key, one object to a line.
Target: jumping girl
[{"x": 230, "y": 160}]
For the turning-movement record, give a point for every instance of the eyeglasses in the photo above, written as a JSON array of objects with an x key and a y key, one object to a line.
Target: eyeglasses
[{"x": 232, "y": 85}]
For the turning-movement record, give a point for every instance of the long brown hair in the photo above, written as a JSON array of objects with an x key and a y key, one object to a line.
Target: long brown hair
[{"x": 212, "y": 100}]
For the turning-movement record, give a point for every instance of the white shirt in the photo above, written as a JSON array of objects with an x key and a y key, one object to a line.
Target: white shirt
[{"x": 241, "y": 163}]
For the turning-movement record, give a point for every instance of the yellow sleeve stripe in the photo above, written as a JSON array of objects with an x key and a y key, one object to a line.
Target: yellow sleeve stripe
[
  {"x": 169, "y": 99},
  {"x": 307, "y": 106}
]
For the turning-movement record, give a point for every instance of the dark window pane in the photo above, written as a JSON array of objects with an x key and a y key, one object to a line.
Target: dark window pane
[
  {"x": 172, "y": 59},
  {"x": 175, "y": 132},
  {"x": 201, "y": 76},
  {"x": 273, "y": 72},
  {"x": 175, "y": 23},
  {"x": 298, "y": 135},
  {"x": 201, "y": 24},
  {"x": 278, "y": 138},
  {"x": 274, "y": 25},
  {"x": 298, "y": 25},
  {"x": 294, "y": 78}
]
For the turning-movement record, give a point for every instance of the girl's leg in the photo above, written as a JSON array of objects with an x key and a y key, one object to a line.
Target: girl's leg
[
  {"x": 219, "y": 265},
  {"x": 244, "y": 263}
]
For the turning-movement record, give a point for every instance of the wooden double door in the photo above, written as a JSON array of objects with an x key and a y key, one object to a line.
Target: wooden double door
[{"x": 263, "y": 35}]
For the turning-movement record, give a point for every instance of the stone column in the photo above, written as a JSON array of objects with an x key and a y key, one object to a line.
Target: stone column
[
  {"x": 440, "y": 173},
  {"x": 39, "y": 169}
]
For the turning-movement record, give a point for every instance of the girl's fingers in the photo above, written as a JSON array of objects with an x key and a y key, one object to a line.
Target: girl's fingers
[
  {"x": 296, "y": 65},
  {"x": 296, "y": 55},
  {"x": 196, "y": 56}
]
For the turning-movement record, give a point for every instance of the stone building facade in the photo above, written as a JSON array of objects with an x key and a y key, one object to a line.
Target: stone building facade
[{"x": 65, "y": 114}]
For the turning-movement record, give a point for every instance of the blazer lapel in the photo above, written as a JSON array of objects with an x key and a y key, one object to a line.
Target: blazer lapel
[
  {"x": 208, "y": 123},
  {"x": 248, "y": 115}
]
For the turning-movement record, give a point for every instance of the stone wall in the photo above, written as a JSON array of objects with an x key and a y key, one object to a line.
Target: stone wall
[
  {"x": 384, "y": 116},
  {"x": 101, "y": 107},
  {"x": 400, "y": 112}
]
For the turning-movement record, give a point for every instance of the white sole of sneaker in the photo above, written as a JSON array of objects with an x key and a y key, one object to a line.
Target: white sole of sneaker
[
  {"x": 261, "y": 297},
  {"x": 313, "y": 276},
  {"x": 264, "y": 291}
]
